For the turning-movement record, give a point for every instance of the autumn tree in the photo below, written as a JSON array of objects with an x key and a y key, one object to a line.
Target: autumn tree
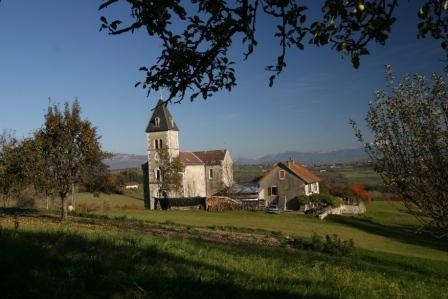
[
  {"x": 409, "y": 126},
  {"x": 361, "y": 192},
  {"x": 70, "y": 150},
  {"x": 196, "y": 35}
]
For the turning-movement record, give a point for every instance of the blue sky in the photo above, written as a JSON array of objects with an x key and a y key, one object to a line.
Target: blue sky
[{"x": 53, "y": 48}]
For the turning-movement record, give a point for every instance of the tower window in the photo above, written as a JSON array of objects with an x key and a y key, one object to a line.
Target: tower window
[
  {"x": 210, "y": 173},
  {"x": 158, "y": 175},
  {"x": 157, "y": 121},
  {"x": 157, "y": 143}
]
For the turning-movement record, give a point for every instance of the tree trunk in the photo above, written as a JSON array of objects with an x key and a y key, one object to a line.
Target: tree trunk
[{"x": 64, "y": 215}]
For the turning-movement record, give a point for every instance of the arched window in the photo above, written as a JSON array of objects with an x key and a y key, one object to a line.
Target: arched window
[{"x": 156, "y": 121}]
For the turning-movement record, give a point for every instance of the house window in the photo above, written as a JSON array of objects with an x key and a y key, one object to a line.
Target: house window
[
  {"x": 273, "y": 190},
  {"x": 156, "y": 121},
  {"x": 210, "y": 173},
  {"x": 281, "y": 174}
]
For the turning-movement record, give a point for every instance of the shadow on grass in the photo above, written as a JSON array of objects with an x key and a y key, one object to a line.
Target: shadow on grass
[
  {"x": 69, "y": 265},
  {"x": 404, "y": 233}
]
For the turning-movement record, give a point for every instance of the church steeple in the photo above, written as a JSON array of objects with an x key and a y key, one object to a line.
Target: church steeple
[{"x": 161, "y": 119}]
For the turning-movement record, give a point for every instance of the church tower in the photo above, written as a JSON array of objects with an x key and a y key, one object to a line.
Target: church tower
[{"x": 161, "y": 132}]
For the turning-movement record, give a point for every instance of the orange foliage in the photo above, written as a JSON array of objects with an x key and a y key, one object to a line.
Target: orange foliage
[{"x": 359, "y": 190}]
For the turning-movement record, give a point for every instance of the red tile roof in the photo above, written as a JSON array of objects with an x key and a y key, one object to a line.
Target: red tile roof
[
  {"x": 297, "y": 169},
  {"x": 189, "y": 158},
  {"x": 211, "y": 157},
  {"x": 301, "y": 171}
]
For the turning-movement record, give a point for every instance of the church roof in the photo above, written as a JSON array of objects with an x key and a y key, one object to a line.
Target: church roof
[
  {"x": 211, "y": 157},
  {"x": 203, "y": 157},
  {"x": 161, "y": 119},
  {"x": 188, "y": 158}
]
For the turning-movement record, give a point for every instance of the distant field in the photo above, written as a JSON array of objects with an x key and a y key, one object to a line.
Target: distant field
[
  {"x": 363, "y": 174},
  {"x": 352, "y": 174},
  {"x": 246, "y": 173}
]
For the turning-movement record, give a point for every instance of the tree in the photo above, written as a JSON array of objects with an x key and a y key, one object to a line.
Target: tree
[
  {"x": 16, "y": 166},
  {"x": 196, "y": 37},
  {"x": 169, "y": 176},
  {"x": 70, "y": 150},
  {"x": 409, "y": 125}
]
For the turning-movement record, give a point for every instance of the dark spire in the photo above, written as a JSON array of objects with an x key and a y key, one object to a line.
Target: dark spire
[{"x": 161, "y": 119}]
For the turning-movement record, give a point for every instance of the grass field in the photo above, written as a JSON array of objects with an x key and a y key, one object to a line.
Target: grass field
[
  {"x": 385, "y": 227},
  {"x": 114, "y": 256}
]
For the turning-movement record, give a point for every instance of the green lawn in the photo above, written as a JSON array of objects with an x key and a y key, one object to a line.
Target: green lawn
[
  {"x": 119, "y": 254},
  {"x": 385, "y": 227}
]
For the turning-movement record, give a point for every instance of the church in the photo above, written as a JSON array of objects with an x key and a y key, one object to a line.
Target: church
[{"x": 205, "y": 174}]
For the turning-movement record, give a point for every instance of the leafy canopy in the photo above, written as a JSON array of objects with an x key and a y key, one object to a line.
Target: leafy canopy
[
  {"x": 409, "y": 124},
  {"x": 70, "y": 150},
  {"x": 196, "y": 35}
]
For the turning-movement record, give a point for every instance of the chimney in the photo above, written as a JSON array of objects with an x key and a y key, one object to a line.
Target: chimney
[{"x": 290, "y": 162}]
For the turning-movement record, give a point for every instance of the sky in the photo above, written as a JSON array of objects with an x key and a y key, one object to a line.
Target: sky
[{"x": 53, "y": 51}]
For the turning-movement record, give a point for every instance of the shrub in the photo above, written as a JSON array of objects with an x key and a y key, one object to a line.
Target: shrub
[
  {"x": 320, "y": 200},
  {"x": 332, "y": 245},
  {"x": 361, "y": 192}
]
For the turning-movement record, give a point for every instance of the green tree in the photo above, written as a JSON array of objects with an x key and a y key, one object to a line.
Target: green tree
[
  {"x": 17, "y": 161},
  {"x": 409, "y": 124},
  {"x": 196, "y": 35},
  {"x": 70, "y": 150}
]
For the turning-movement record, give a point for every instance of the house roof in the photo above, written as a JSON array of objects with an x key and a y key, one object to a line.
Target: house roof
[
  {"x": 189, "y": 158},
  {"x": 297, "y": 169},
  {"x": 211, "y": 157},
  {"x": 161, "y": 119},
  {"x": 301, "y": 171}
]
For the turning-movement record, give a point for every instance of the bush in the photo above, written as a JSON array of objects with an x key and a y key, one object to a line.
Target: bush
[
  {"x": 320, "y": 200},
  {"x": 332, "y": 245}
]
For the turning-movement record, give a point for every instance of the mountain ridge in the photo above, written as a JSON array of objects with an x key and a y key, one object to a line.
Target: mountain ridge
[{"x": 126, "y": 161}]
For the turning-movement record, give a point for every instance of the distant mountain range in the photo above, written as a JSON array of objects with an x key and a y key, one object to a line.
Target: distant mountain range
[
  {"x": 125, "y": 161},
  {"x": 311, "y": 158}
]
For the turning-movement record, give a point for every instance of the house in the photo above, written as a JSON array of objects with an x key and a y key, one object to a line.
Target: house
[
  {"x": 284, "y": 182},
  {"x": 130, "y": 185},
  {"x": 205, "y": 172}
]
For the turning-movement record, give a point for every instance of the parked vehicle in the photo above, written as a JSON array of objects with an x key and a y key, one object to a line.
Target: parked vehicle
[{"x": 273, "y": 209}]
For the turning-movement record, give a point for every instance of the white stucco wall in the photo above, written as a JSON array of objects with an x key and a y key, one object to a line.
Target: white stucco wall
[
  {"x": 194, "y": 181},
  {"x": 227, "y": 170}
]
